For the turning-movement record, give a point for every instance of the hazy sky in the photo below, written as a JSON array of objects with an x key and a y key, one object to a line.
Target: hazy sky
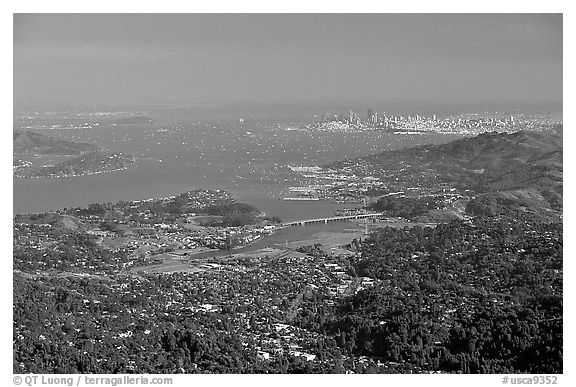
[{"x": 324, "y": 59}]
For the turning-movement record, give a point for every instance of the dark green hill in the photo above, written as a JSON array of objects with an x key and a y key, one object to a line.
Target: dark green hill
[
  {"x": 496, "y": 149},
  {"x": 488, "y": 150},
  {"x": 501, "y": 169}
]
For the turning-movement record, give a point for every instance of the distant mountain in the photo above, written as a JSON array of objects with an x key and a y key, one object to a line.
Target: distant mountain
[
  {"x": 523, "y": 171},
  {"x": 498, "y": 149},
  {"x": 504, "y": 171},
  {"x": 136, "y": 120},
  {"x": 32, "y": 142},
  {"x": 487, "y": 150}
]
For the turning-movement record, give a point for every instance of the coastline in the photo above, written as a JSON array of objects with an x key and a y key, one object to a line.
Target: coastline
[{"x": 74, "y": 175}]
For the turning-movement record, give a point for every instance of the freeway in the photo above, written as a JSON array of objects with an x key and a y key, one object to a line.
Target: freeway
[{"x": 332, "y": 219}]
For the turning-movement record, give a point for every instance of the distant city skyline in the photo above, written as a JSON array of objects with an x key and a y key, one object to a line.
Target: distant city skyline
[{"x": 420, "y": 62}]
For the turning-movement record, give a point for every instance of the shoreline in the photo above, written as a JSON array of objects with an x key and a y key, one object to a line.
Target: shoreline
[{"x": 73, "y": 175}]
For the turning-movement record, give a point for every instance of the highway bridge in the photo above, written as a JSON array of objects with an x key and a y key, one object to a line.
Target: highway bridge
[{"x": 332, "y": 219}]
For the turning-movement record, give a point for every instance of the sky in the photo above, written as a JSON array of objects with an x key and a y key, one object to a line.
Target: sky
[{"x": 403, "y": 61}]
